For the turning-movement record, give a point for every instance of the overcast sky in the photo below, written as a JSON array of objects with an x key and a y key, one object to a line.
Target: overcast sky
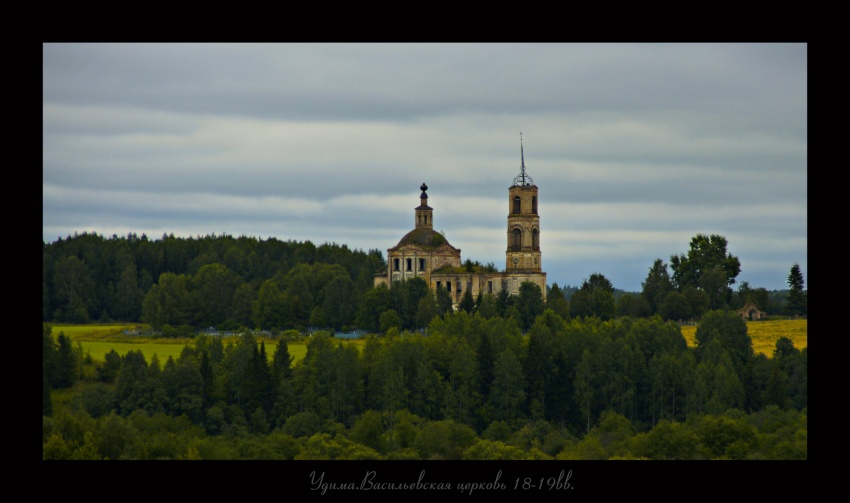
[{"x": 635, "y": 148}]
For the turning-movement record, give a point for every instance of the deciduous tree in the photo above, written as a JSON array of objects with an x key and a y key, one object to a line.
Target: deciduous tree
[{"x": 705, "y": 253}]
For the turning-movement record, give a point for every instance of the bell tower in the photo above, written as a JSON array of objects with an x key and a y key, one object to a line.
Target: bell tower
[{"x": 523, "y": 253}]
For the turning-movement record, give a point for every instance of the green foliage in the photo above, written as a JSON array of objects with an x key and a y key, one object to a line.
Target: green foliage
[
  {"x": 730, "y": 330},
  {"x": 487, "y": 306},
  {"x": 427, "y": 309},
  {"x": 706, "y": 253},
  {"x": 586, "y": 303},
  {"x": 576, "y": 389},
  {"x": 556, "y": 301},
  {"x": 49, "y": 354},
  {"x": 46, "y": 398},
  {"x": 322, "y": 446},
  {"x": 796, "y": 303},
  {"x": 167, "y": 302},
  {"x": 66, "y": 362},
  {"x": 698, "y": 301},
  {"x": 444, "y": 440},
  {"x": 529, "y": 303},
  {"x": 213, "y": 288},
  {"x": 369, "y": 430},
  {"x": 444, "y": 301},
  {"x": 389, "y": 319},
  {"x": 667, "y": 440},
  {"x": 467, "y": 303},
  {"x": 633, "y": 306},
  {"x": 87, "y": 276},
  {"x": 493, "y": 450},
  {"x": 656, "y": 286},
  {"x": 675, "y": 306},
  {"x": 111, "y": 366},
  {"x": 375, "y": 302},
  {"x": 508, "y": 390}
]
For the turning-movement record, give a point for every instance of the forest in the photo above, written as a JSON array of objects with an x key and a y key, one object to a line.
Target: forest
[
  {"x": 182, "y": 285},
  {"x": 578, "y": 377}
]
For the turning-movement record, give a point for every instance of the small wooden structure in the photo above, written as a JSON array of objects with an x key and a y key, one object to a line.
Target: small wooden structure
[{"x": 751, "y": 312}]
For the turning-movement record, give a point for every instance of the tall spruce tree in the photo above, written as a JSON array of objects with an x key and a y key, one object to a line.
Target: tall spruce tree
[
  {"x": 65, "y": 363},
  {"x": 796, "y": 303},
  {"x": 49, "y": 353},
  {"x": 466, "y": 302},
  {"x": 281, "y": 363},
  {"x": 657, "y": 285}
]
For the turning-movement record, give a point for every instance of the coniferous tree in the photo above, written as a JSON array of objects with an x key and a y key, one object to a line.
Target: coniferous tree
[
  {"x": 487, "y": 309},
  {"x": 65, "y": 363},
  {"x": 595, "y": 297},
  {"x": 426, "y": 310},
  {"x": 207, "y": 378},
  {"x": 262, "y": 379},
  {"x": 466, "y": 302},
  {"x": 281, "y": 363},
  {"x": 508, "y": 390},
  {"x": 49, "y": 353},
  {"x": 556, "y": 301},
  {"x": 486, "y": 361},
  {"x": 444, "y": 301},
  {"x": 657, "y": 285},
  {"x": 503, "y": 300},
  {"x": 111, "y": 366},
  {"x": 796, "y": 303},
  {"x": 530, "y": 303}
]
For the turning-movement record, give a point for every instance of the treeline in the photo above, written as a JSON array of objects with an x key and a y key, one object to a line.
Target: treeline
[
  {"x": 470, "y": 387},
  {"x": 181, "y": 285},
  {"x": 206, "y": 281}
]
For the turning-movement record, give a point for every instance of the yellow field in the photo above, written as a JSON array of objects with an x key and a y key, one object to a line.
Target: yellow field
[
  {"x": 100, "y": 339},
  {"x": 97, "y": 340},
  {"x": 764, "y": 334}
]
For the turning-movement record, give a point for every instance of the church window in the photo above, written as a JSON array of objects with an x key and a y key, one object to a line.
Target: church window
[
  {"x": 535, "y": 240},
  {"x": 517, "y": 204},
  {"x": 395, "y": 264},
  {"x": 534, "y": 204},
  {"x": 449, "y": 286},
  {"x": 489, "y": 287},
  {"x": 409, "y": 264},
  {"x": 516, "y": 243},
  {"x": 422, "y": 264}
]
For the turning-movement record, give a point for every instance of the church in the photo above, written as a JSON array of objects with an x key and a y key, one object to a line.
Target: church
[{"x": 425, "y": 253}]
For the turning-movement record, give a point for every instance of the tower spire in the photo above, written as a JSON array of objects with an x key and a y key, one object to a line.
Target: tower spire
[
  {"x": 523, "y": 179},
  {"x": 522, "y": 157}
]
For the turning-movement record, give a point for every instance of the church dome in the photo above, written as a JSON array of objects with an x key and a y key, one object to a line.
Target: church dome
[{"x": 426, "y": 238}]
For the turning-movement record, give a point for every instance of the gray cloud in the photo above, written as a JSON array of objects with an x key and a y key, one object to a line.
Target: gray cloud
[{"x": 635, "y": 147}]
